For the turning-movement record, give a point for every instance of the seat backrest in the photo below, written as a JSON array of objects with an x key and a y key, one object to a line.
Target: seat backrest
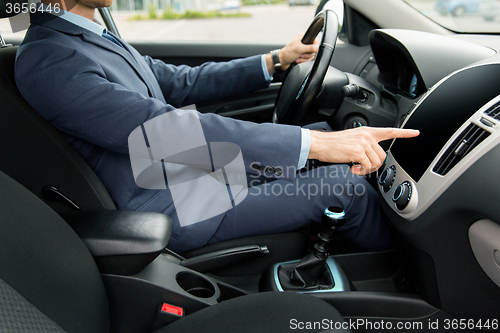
[
  {"x": 48, "y": 279},
  {"x": 36, "y": 155}
]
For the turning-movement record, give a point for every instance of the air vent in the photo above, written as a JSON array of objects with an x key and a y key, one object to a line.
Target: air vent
[
  {"x": 494, "y": 111},
  {"x": 472, "y": 136}
]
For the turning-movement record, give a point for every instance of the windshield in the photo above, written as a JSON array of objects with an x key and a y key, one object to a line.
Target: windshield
[{"x": 462, "y": 15}]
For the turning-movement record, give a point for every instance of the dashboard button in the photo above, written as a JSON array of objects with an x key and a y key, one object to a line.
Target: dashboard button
[
  {"x": 487, "y": 122},
  {"x": 402, "y": 195},
  {"x": 386, "y": 179}
]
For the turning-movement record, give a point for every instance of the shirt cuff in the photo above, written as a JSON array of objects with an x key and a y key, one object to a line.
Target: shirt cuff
[
  {"x": 304, "y": 148},
  {"x": 264, "y": 68}
]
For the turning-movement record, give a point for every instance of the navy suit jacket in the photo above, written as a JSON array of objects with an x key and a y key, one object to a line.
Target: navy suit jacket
[{"x": 96, "y": 93}]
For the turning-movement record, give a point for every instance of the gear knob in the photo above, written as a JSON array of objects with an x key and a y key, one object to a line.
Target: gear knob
[{"x": 333, "y": 218}]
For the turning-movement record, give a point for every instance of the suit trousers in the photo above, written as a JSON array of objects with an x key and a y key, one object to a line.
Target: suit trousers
[
  {"x": 277, "y": 206},
  {"x": 282, "y": 206}
]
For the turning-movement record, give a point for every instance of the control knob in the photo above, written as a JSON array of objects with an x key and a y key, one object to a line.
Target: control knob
[
  {"x": 387, "y": 178},
  {"x": 402, "y": 195}
]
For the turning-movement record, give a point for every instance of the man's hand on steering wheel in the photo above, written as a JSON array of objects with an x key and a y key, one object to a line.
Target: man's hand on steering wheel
[
  {"x": 302, "y": 85},
  {"x": 295, "y": 51}
]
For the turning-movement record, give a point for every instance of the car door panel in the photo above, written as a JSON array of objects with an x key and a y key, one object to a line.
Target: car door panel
[
  {"x": 256, "y": 106},
  {"x": 346, "y": 58}
]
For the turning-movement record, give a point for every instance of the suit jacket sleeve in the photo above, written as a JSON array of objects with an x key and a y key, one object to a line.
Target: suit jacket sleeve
[
  {"x": 72, "y": 92},
  {"x": 184, "y": 85}
]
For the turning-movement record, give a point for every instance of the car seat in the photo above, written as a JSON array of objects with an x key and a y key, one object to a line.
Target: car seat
[{"x": 49, "y": 282}]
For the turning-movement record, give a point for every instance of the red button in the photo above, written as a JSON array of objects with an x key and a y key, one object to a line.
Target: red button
[{"x": 175, "y": 310}]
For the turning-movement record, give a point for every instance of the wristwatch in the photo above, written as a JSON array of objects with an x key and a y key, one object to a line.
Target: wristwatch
[{"x": 276, "y": 61}]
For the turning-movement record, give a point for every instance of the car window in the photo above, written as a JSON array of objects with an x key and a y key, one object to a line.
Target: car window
[
  {"x": 8, "y": 34},
  {"x": 273, "y": 21},
  {"x": 267, "y": 21},
  {"x": 462, "y": 15}
]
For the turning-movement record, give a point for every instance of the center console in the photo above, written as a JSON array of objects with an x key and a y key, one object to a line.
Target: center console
[
  {"x": 457, "y": 127},
  {"x": 137, "y": 300},
  {"x": 437, "y": 189},
  {"x": 440, "y": 192},
  {"x": 317, "y": 271},
  {"x": 149, "y": 287}
]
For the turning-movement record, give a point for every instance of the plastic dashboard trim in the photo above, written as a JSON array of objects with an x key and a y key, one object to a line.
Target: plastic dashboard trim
[{"x": 432, "y": 185}]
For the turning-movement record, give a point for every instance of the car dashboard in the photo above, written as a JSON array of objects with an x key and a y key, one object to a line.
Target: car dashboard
[
  {"x": 440, "y": 189},
  {"x": 454, "y": 120}
]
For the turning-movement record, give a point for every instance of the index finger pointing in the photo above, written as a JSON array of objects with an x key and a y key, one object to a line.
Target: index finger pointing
[{"x": 381, "y": 134}]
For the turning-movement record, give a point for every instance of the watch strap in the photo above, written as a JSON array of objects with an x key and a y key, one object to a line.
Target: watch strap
[{"x": 276, "y": 61}]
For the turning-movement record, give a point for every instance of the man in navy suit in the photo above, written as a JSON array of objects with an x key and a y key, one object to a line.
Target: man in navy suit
[{"x": 96, "y": 89}]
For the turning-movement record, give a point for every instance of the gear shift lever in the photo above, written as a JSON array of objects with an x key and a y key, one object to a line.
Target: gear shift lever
[
  {"x": 311, "y": 272},
  {"x": 333, "y": 218}
]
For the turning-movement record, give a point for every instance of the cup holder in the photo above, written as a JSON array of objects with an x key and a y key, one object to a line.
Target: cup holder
[{"x": 195, "y": 285}]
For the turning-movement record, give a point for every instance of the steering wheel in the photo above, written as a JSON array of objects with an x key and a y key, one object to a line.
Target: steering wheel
[{"x": 302, "y": 82}]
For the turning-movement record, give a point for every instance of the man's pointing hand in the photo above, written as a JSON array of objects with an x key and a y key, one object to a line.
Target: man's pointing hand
[{"x": 359, "y": 145}]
